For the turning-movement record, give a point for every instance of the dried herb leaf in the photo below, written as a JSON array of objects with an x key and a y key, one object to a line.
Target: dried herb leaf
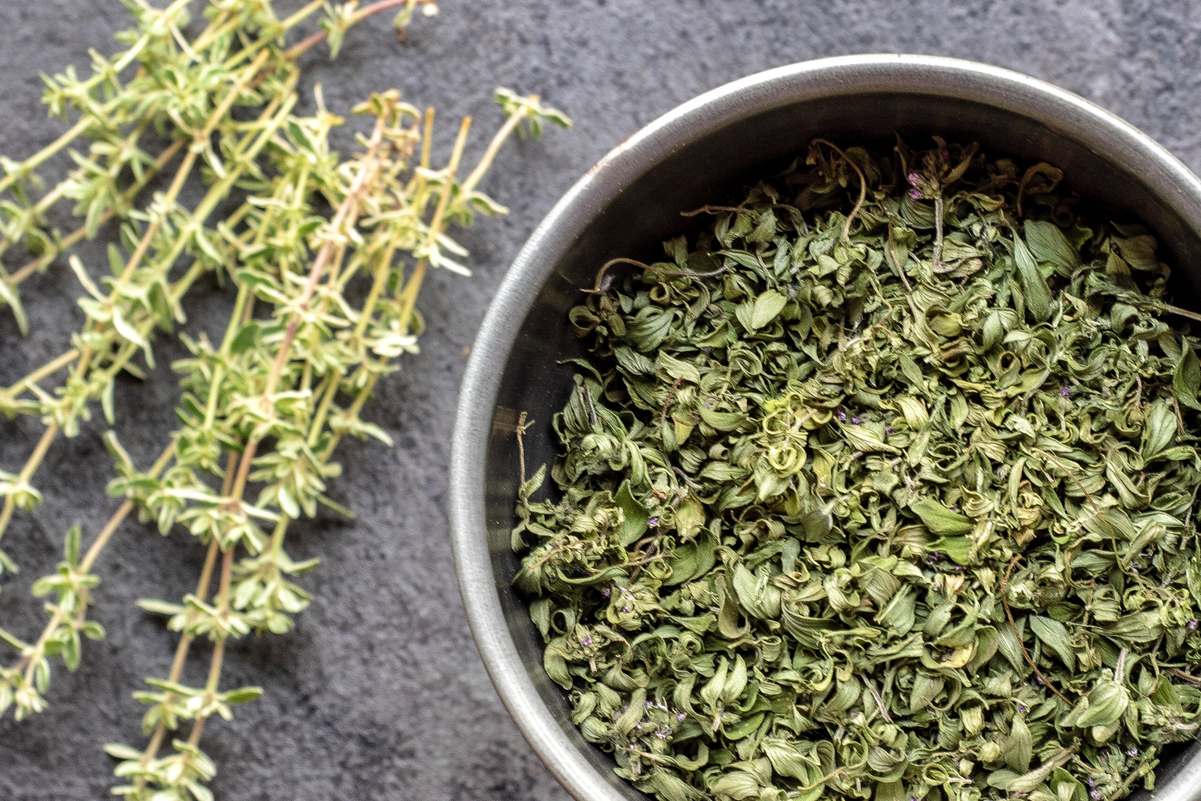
[{"x": 888, "y": 492}]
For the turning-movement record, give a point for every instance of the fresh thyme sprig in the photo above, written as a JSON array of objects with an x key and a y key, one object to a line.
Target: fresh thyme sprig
[
  {"x": 295, "y": 157},
  {"x": 189, "y": 90},
  {"x": 298, "y": 380},
  {"x": 264, "y": 412}
]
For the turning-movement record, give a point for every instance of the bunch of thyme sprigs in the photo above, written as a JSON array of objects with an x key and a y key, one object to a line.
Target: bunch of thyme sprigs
[
  {"x": 167, "y": 107},
  {"x": 883, "y": 486},
  {"x": 264, "y": 410}
]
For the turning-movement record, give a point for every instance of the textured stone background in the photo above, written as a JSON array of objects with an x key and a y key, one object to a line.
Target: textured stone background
[{"x": 379, "y": 693}]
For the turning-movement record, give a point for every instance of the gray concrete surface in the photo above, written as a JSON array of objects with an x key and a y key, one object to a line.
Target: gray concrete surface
[{"x": 379, "y": 693}]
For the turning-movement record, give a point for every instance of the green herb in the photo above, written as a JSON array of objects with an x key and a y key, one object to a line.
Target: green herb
[
  {"x": 881, "y": 486},
  {"x": 219, "y": 98},
  {"x": 326, "y": 256}
]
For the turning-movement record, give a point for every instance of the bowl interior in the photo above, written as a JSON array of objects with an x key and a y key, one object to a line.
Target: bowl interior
[{"x": 712, "y": 166}]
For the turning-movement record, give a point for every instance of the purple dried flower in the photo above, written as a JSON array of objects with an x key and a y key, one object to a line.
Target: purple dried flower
[
  {"x": 650, "y": 704},
  {"x": 654, "y": 521},
  {"x": 1065, "y": 391},
  {"x": 915, "y": 194},
  {"x": 1092, "y": 782},
  {"x": 586, "y": 641},
  {"x": 842, "y": 416},
  {"x": 1021, "y": 708},
  {"x": 662, "y": 735},
  {"x": 625, "y": 609},
  {"x": 913, "y": 178},
  {"x": 1132, "y": 752},
  {"x": 855, "y": 420},
  {"x": 680, "y": 716},
  {"x": 606, "y": 592},
  {"x": 1039, "y": 679},
  {"x": 889, "y": 430},
  {"x": 946, "y": 154},
  {"x": 1192, "y": 625},
  {"x": 1095, "y": 795}
]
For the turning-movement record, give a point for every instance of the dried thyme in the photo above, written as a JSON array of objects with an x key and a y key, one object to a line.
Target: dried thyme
[{"x": 881, "y": 486}]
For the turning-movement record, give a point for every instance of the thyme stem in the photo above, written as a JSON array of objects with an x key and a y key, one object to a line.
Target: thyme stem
[
  {"x": 29, "y": 659},
  {"x": 218, "y": 659},
  {"x": 31, "y": 466},
  {"x": 320, "y": 36},
  {"x": 254, "y": 142},
  {"x": 181, "y": 658},
  {"x": 126, "y": 199},
  {"x": 326, "y": 259}
]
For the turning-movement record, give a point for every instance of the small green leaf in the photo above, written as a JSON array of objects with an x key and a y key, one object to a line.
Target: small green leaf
[
  {"x": 71, "y": 547},
  {"x": 1107, "y": 703},
  {"x": 1019, "y": 745},
  {"x": 690, "y": 517},
  {"x": 84, "y": 279},
  {"x": 127, "y": 330},
  {"x": 941, "y": 520},
  {"x": 71, "y": 651},
  {"x": 160, "y": 607},
  {"x": 767, "y": 308},
  {"x": 10, "y": 298},
  {"x": 957, "y": 548},
  {"x": 1049, "y": 246},
  {"x": 116, "y": 262},
  {"x": 722, "y": 421},
  {"x": 245, "y": 339},
  {"x": 1187, "y": 379},
  {"x": 636, "y": 516},
  {"x": 1054, "y": 635},
  {"x": 121, "y": 751},
  {"x": 1034, "y": 286},
  {"x": 243, "y": 695}
]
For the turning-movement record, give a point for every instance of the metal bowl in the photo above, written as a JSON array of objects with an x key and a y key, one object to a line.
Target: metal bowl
[{"x": 631, "y": 201}]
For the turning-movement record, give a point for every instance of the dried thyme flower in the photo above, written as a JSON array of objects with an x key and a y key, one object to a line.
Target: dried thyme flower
[{"x": 882, "y": 486}]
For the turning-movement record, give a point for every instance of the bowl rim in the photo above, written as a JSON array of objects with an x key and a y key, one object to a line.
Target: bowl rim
[{"x": 939, "y": 77}]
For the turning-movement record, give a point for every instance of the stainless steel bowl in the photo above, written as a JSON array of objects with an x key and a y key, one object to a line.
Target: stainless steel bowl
[{"x": 631, "y": 201}]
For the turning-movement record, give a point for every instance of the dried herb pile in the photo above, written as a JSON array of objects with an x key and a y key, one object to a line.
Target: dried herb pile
[{"x": 883, "y": 486}]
